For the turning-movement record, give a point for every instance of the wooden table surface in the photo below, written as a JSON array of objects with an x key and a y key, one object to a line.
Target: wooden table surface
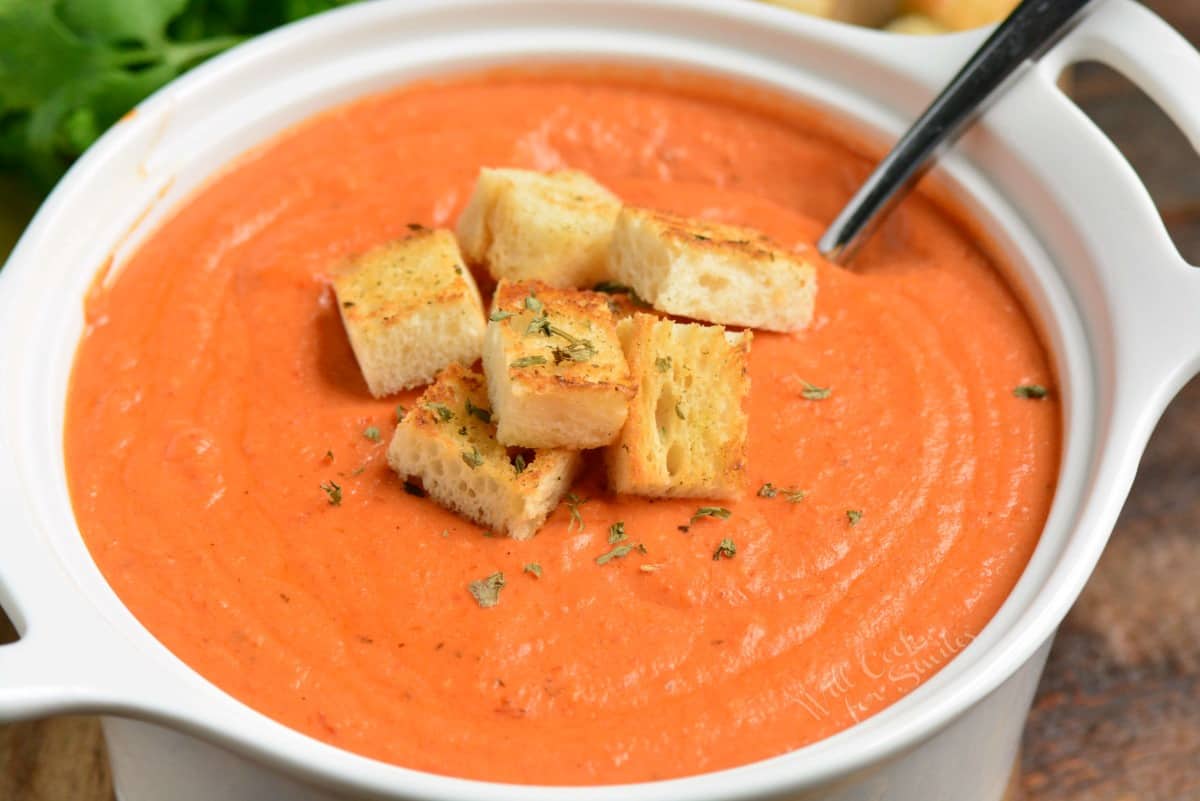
[{"x": 1117, "y": 716}]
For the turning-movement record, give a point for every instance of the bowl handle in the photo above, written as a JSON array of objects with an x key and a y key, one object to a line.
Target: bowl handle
[
  {"x": 68, "y": 656},
  {"x": 1132, "y": 40}
]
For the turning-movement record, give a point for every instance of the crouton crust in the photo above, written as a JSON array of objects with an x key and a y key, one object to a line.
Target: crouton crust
[
  {"x": 711, "y": 271},
  {"x": 686, "y": 431}
]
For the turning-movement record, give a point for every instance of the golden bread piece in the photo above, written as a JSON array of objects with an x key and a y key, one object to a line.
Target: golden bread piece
[
  {"x": 448, "y": 441},
  {"x": 712, "y": 272},
  {"x": 556, "y": 373},
  {"x": 686, "y": 432},
  {"x": 961, "y": 15},
  {"x": 553, "y": 227},
  {"x": 857, "y": 12},
  {"x": 916, "y": 25},
  {"x": 410, "y": 307}
]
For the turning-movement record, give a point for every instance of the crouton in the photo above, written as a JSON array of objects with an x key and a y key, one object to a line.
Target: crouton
[
  {"x": 448, "y": 441},
  {"x": 410, "y": 307},
  {"x": 686, "y": 432},
  {"x": 712, "y": 272},
  {"x": 916, "y": 25},
  {"x": 858, "y": 12},
  {"x": 960, "y": 15},
  {"x": 556, "y": 373},
  {"x": 552, "y": 227}
]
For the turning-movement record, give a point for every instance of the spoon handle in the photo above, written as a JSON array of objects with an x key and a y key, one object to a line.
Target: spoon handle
[{"x": 1031, "y": 28}]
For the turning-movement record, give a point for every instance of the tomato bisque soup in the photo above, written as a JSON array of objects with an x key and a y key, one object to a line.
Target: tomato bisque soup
[{"x": 215, "y": 392}]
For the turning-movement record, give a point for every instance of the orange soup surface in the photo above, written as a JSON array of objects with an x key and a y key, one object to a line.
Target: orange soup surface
[{"x": 214, "y": 392}]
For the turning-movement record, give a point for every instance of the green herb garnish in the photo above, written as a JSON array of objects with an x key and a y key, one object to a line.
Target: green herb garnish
[
  {"x": 528, "y": 361},
  {"x": 372, "y": 433},
  {"x": 853, "y": 516},
  {"x": 400, "y": 412},
  {"x": 499, "y": 315},
  {"x": 662, "y": 364},
  {"x": 519, "y": 464},
  {"x": 767, "y": 490},
  {"x": 794, "y": 495},
  {"x": 618, "y": 552},
  {"x": 725, "y": 550},
  {"x": 719, "y": 512},
  {"x": 813, "y": 392},
  {"x": 334, "y": 491},
  {"x": 486, "y": 591},
  {"x": 441, "y": 410},
  {"x": 473, "y": 458},
  {"x": 539, "y": 325},
  {"x": 533, "y": 304},
  {"x": 534, "y": 569},
  {"x": 573, "y": 503},
  {"x": 1031, "y": 391},
  {"x": 616, "y": 532},
  {"x": 474, "y": 411}
]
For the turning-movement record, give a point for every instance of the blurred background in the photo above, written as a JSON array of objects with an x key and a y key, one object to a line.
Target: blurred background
[{"x": 1117, "y": 716}]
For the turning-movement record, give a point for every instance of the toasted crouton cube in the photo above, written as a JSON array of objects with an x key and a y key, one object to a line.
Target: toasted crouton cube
[
  {"x": 916, "y": 25},
  {"x": 686, "y": 432},
  {"x": 410, "y": 307},
  {"x": 960, "y": 15},
  {"x": 857, "y": 12},
  {"x": 556, "y": 374},
  {"x": 712, "y": 272},
  {"x": 448, "y": 441},
  {"x": 553, "y": 227}
]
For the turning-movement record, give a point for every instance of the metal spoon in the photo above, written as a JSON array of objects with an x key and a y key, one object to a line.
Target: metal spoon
[{"x": 1027, "y": 33}]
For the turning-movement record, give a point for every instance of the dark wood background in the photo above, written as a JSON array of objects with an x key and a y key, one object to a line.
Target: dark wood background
[{"x": 1117, "y": 716}]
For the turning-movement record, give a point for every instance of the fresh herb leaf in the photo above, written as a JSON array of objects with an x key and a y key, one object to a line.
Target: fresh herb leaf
[
  {"x": 533, "y": 304},
  {"x": 441, "y": 410},
  {"x": 474, "y": 411},
  {"x": 498, "y": 315},
  {"x": 767, "y": 490},
  {"x": 618, "y": 552},
  {"x": 662, "y": 364},
  {"x": 813, "y": 392},
  {"x": 519, "y": 464},
  {"x": 414, "y": 489},
  {"x": 473, "y": 458},
  {"x": 725, "y": 550},
  {"x": 528, "y": 361},
  {"x": 649, "y": 568},
  {"x": 616, "y": 532},
  {"x": 719, "y": 512},
  {"x": 372, "y": 433},
  {"x": 1031, "y": 391},
  {"x": 573, "y": 504},
  {"x": 641, "y": 548},
  {"x": 400, "y": 412},
  {"x": 534, "y": 569},
  {"x": 853, "y": 516},
  {"x": 794, "y": 495},
  {"x": 334, "y": 491},
  {"x": 486, "y": 591}
]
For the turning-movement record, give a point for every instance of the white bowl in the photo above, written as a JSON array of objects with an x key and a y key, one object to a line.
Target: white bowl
[{"x": 1117, "y": 305}]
